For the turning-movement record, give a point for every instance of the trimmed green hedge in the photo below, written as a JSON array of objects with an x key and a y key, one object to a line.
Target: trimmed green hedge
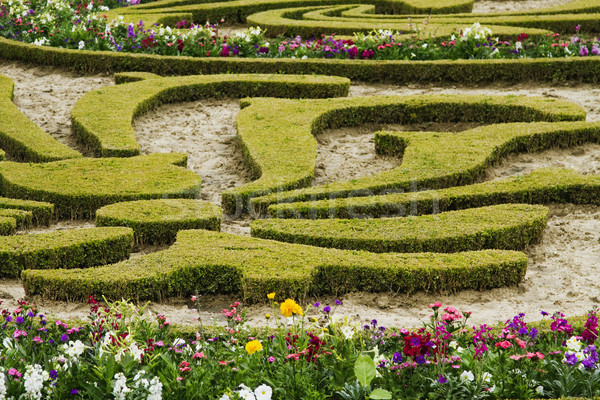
[
  {"x": 22, "y": 139},
  {"x": 539, "y": 187},
  {"x": 77, "y": 188},
  {"x": 277, "y": 139},
  {"x": 102, "y": 118},
  {"x": 22, "y": 219},
  {"x": 128, "y": 77},
  {"x": 579, "y": 69},
  {"x": 76, "y": 248},
  {"x": 42, "y": 213},
  {"x": 158, "y": 221},
  {"x": 506, "y": 226},
  {"x": 213, "y": 262},
  {"x": 170, "y": 11},
  {"x": 8, "y": 226}
]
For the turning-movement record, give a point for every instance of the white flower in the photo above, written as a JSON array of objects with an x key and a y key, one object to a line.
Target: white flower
[
  {"x": 2, "y": 384},
  {"x": 246, "y": 393},
  {"x": 225, "y": 397},
  {"x": 103, "y": 8},
  {"x": 467, "y": 376},
  {"x": 178, "y": 342},
  {"x": 136, "y": 352},
  {"x": 518, "y": 46},
  {"x": 90, "y": 6},
  {"x": 573, "y": 344},
  {"x": 120, "y": 388},
  {"x": 263, "y": 392},
  {"x": 34, "y": 381},
  {"x": 75, "y": 349},
  {"x": 347, "y": 331},
  {"x": 486, "y": 377},
  {"x": 155, "y": 389},
  {"x": 424, "y": 45},
  {"x": 81, "y": 44},
  {"x": 540, "y": 390},
  {"x": 7, "y": 342}
]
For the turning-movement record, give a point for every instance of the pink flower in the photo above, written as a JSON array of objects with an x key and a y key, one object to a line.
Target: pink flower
[
  {"x": 38, "y": 340},
  {"x": 14, "y": 372},
  {"x": 540, "y": 355},
  {"x": 435, "y": 305},
  {"x": 447, "y": 317},
  {"x": 19, "y": 333},
  {"x": 504, "y": 344},
  {"x": 180, "y": 378},
  {"x": 516, "y": 357},
  {"x": 521, "y": 343},
  {"x": 222, "y": 362},
  {"x": 60, "y": 323},
  {"x": 198, "y": 355},
  {"x": 194, "y": 298},
  {"x": 271, "y": 359}
]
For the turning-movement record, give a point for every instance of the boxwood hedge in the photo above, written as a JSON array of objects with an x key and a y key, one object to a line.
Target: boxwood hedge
[
  {"x": 158, "y": 221},
  {"x": 212, "y": 262},
  {"x": 77, "y": 248},
  {"x": 277, "y": 139},
  {"x": 543, "y": 186},
  {"x": 21, "y": 218},
  {"x": 505, "y": 226},
  {"x": 78, "y": 187},
  {"x": 22, "y": 139},
  {"x": 102, "y": 118},
  {"x": 42, "y": 213},
  {"x": 579, "y": 69}
]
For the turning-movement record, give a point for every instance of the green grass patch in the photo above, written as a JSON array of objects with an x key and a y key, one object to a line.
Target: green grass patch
[
  {"x": 211, "y": 262},
  {"x": 102, "y": 118},
  {"x": 76, "y": 248},
  {"x": 79, "y": 187},
  {"x": 506, "y": 226},
  {"x": 158, "y": 221}
]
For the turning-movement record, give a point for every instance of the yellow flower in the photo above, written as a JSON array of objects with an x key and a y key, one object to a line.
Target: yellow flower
[
  {"x": 267, "y": 316},
  {"x": 290, "y": 307},
  {"x": 253, "y": 346},
  {"x": 271, "y": 296}
]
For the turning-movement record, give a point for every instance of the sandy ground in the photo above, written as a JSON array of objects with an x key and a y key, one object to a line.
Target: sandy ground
[
  {"x": 487, "y": 7},
  {"x": 562, "y": 272}
]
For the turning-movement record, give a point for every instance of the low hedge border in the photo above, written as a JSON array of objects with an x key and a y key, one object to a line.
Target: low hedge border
[
  {"x": 8, "y": 226},
  {"x": 77, "y": 248},
  {"x": 222, "y": 263},
  {"x": 22, "y": 139},
  {"x": 539, "y": 187},
  {"x": 577, "y": 69},
  {"x": 23, "y": 219},
  {"x": 277, "y": 138},
  {"x": 158, "y": 221},
  {"x": 506, "y": 226},
  {"x": 77, "y": 188},
  {"x": 238, "y": 10},
  {"x": 128, "y": 77},
  {"x": 42, "y": 213},
  {"x": 102, "y": 119}
]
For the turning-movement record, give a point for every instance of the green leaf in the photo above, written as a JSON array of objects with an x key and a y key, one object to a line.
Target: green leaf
[
  {"x": 380, "y": 394},
  {"x": 364, "y": 369}
]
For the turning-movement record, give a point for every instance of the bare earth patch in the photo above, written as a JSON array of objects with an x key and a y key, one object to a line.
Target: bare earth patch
[{"x": 562, "y": 271}]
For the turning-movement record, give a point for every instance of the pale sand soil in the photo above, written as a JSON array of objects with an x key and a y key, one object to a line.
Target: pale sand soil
[
  {"x": 562, "y": 272},
  {"x": 487, "y": 7}
]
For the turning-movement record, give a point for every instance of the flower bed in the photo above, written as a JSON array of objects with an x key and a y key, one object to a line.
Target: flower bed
[{"x": 122, "y": 352}]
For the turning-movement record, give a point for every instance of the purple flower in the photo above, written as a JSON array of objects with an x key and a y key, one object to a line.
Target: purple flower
[
  {"x": 53, "y": 374},
  {"x": 570, "y": 359},
  {"x": 338, "y": 302},
  {"x": 374, "y": 322},
  {"x": 583, "y": 51},
  {"x": 74, "y": 391},
  {"x": 397, "y": 358},
  {"x": 415, "y": 342},
  {"x": 442, "y": 379},
  {"x": 595, "y": 50},
  {"x": 523, "y": 331},
  {"x": 544, "y": 313},
  {"x": 9, "y": 319},
  {"x": 64, "y": 337},
  {"x": 326, "y": 309},
  {"x": 420, "y": 360},
  {"x": 533, "y": 333},
  {"x": 19, "y": 320},
  {"x": 317, "y": 304}
]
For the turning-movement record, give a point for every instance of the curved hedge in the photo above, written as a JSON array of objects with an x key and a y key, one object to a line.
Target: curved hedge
[
  {"x": 42, "y": 213},
  {"x": 213, "y": 262},
  {"x": 22, "y": 139},
  {"x": 78, "y": 187},
  {"x": 21, "y": 219},
  {"x": 277, "y": 139},
  {"x": 506, "y": 226},
  {"x": 539, "y": 187},
  {"x": 578, "y": 69},
  {"x": 102, "y": 118},
  {"x": 77, "y": 248},
  {"x": 158, "y": 221}
]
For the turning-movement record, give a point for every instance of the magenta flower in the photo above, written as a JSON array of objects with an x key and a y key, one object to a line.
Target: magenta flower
[{"x": 583, "y": 51}]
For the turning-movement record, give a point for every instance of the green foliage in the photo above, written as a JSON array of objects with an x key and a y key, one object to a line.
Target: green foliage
[
  {"x": 102, "y": 118},
  {"x": 42, "y": 213},
  {"x": 509, "y": 227},
  {"x": 78, "y": 187},
  {"x": 77, "y": 248},
  {"x": 581, "y": 69},
  {"x": 539, "y": 187},
  {"x": 221, "y": 263},
  {"x": 430, "y": 160},
  {"x": 22, "y": 139},
  {"x": 158, "y": 221}
]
